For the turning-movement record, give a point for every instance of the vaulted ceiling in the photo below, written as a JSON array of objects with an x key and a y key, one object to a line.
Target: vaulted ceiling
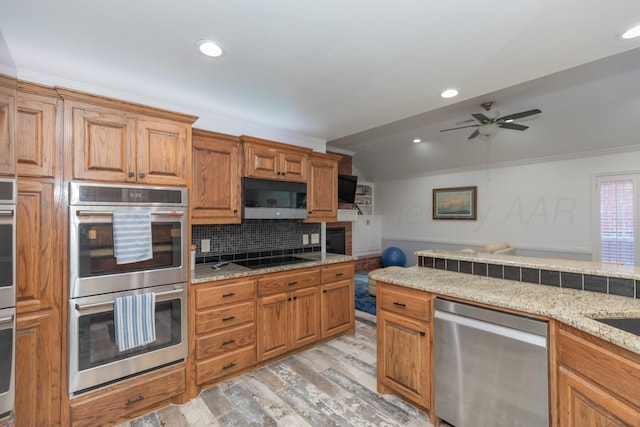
[{"x": 364, "y": 75}]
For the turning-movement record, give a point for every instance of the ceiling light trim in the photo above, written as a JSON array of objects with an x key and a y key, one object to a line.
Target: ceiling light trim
[{"x": 209, "y": 48}]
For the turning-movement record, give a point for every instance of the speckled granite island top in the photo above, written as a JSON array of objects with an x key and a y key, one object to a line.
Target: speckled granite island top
[
  {"x": 569, "y": 306},
  {"x": 206, "y": 272}
]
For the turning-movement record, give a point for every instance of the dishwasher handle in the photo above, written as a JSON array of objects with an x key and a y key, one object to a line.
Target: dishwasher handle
[{"x": 492, "y": 328}]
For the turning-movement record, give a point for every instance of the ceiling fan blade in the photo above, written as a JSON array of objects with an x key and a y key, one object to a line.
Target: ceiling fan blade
[
  {"x": 461, "y": 127},
  {"x": 514, "y": 126},
  {"x": 474, "y": 134},
  {"x": 481, "y": 117},
  {"x": 517, "y": 116}
]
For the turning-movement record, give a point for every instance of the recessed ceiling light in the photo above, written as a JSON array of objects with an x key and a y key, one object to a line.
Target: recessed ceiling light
[
  {"x": 417, "y": 141},
  {"x": 209, "y": 48},
  {"x": 449, "y": 93},
  {"x": 631, "y": 32}
]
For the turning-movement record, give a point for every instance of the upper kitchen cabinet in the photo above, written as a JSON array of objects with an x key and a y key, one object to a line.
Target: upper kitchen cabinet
[
  {"x": 322, "y": 188},
  {"x": 115, "y": 141},
  {"x": 273, "y": 160},
  {"x": 7, "y": 126},
  {"x": 216, "y": 170}
]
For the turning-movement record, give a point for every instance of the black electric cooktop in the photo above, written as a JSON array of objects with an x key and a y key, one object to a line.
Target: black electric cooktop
[{"x": 273, "y": 261}]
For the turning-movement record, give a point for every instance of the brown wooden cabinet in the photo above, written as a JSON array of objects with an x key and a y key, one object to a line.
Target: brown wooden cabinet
[
  {"x": 37, "y": 132},
  {"x": 288, "y": 315},
  {"x": 7, "y": 126},
  {"x": 598, "y": 383},
  {"x": 224, "y": 329},
  {"x": 322, "y": 186},
  {"x": 114, "y": 141},
  {"x": 404, "y": 337},
  {"x": 217, "y": 174},
  {"x": 337, "y": 300},
  {"x": 273, "y": 160}
]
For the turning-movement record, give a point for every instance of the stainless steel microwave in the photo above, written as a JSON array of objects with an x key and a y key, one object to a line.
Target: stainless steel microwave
[{"x": 270, "y": 199}]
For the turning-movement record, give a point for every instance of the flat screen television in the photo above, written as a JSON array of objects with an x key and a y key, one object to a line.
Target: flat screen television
[{"x": 347, "y": 188}]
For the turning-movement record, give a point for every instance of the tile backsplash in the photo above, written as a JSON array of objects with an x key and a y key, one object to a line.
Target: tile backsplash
[{"x": 252, "y": 236}]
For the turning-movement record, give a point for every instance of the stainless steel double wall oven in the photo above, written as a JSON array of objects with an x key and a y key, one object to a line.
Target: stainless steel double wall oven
[
  {"x": 96, "y": 280},
  {"x": 8, "y": 192}
]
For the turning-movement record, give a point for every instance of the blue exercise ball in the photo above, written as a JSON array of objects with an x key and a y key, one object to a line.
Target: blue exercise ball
[{"x": 393, "y": 256}]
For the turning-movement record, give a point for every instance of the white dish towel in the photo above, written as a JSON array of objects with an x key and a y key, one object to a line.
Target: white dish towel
[
  {"x": 132, "y": 235},
  {"x": 135, "y": 323}
]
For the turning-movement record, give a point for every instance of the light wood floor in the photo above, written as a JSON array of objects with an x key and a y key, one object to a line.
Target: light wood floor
[{"x": 333, "y": 384}]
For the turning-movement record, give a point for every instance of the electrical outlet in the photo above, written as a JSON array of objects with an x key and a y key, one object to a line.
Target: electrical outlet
[
  {"x": 315, "y": 238},
  {"x": 205, "y": 245},
  {"x": 305, "y": 239}
]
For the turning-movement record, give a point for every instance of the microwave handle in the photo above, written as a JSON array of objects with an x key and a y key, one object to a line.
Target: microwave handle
[
  {"x": 83, "y": 307},
  {"x": 110, "y": 213}
]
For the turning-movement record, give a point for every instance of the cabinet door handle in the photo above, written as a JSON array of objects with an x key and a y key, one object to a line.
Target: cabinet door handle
[
  {"x": 141, "y": 175},
  {"x": 230, "y": 294},
  {"x": 295, "y": 282},
  {"x": 224, "y": 319},
  {"x": 227, "y": 342},
  {"x": 295, "y": 298},
  {"x": 235, "y": 211},
  {"x": 399, "y": 304},
  {"x": 423, "y": 333},
  {"x": 229, "y": 366},
  {"x": 134, "y": 400},
  {"x": 131, "y": 174}
]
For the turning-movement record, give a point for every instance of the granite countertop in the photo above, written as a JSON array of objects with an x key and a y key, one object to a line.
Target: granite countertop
[
  {"x": 206, "y": 272},
  {"x": 572, "y": 307}
]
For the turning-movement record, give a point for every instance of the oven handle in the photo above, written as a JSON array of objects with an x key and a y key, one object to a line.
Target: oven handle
[
  {"x": 110, "y": 213},
  {"x": 7, "y": 212},
  {"x": 83, "y": 307},
  {"x": 6, "y": 320}
]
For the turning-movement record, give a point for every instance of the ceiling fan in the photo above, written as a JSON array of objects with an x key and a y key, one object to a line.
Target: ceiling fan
[{"x": 489, "y": 123}]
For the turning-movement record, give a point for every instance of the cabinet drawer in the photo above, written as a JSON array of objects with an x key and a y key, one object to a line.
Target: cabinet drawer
[
  {"x": 277, "y": 283},
  {"x": 224, "y": 294},
  {"x": 338, "y": 272},
  {"x": 227, "y": 340},
  {"x": 225, "y": 317},
  {"x": 128, "y": 398},
  {"x": 409, "y": 302},
  {"x": 224, "y": 364}
]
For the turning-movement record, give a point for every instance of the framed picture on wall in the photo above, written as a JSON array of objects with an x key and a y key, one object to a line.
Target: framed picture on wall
[{"x": 455, "y": 203}]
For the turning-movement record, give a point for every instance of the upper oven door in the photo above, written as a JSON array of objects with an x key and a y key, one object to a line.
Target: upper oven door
[
  {"x": 92, "y": 265},
  {"x": 7, "y": 360}
]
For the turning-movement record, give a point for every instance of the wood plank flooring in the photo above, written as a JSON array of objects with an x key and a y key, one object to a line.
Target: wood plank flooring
[{"x": 333, "y": 384}]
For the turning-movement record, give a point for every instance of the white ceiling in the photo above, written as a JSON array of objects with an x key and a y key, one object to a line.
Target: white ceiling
[{"x": 310, "y": 71}]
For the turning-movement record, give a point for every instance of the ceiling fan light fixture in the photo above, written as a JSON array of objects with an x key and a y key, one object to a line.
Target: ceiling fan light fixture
[
  {"x": 449, "y": 93},
  {"x": 488, "y": 130},
  {"x": 631, "y": 33},
  {"x": 209, "y": 48}
]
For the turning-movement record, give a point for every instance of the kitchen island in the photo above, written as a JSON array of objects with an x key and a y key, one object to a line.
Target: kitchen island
[{"x": 594, "y": 368}]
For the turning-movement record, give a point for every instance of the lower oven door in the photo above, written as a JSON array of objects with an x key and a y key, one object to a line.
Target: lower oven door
[
  {"x": 7, "y": 360},
  {"x": 94, "y": 358}
]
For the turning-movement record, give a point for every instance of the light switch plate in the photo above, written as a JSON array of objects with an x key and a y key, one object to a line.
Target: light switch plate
[
  {"x": 315, "y": 238},
  {"x": 305, "y": 239},
  {"x": 205, "y": 245}
]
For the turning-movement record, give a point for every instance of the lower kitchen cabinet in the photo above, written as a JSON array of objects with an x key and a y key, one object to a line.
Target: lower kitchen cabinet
[
  {"x": 128, "y": 399},
  {"x": 598, "y": 383},
  {"x": 337, "y": 300},
  {"x": 404, "y": 338}
]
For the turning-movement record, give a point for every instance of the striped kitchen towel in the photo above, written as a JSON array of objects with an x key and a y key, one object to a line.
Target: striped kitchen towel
[
  {"x": 132, "y": 235},
  {"x": 135, "y": 323}
]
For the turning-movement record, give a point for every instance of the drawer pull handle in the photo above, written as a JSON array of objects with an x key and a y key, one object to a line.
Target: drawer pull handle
[
  {"x": 227, "y": 342},
  {"x": 295, "y": 282},
  {"x": 399, "y": 304},
  {"x": 339, "y": 274},
  {"x": 137, "y": 399},
  {"x": 224, "y": 319},
  {"x": 229, "y": 366},
  {"x": 423, "y": 333},
  {"x": 230, "y": 294}
]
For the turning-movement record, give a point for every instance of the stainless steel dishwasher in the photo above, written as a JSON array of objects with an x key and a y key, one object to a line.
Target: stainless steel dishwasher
[{"x": 491, "y": 368}]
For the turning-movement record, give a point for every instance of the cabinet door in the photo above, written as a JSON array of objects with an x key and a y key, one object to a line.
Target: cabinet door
[
  {"x": 338, "y": 307},
  {"x": 293, "y": 167},
  {"x": 215, "y": 196},
  {"x": 305, "y": 317},
  {"x": 163, "y": 149},
  {"x": 7, "y": 131},
  {"x": 261, "y": 162},
  {"x": 322, "y": 200},
  {"x": 272, "y": 326},
  {"x": 103, "y": 144},
  {"x": 38, "y": 344},
  {"x": 584, "y": 404},
  {"x": 403, "y": 356},
  {"x": 36, "y": 135}
]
